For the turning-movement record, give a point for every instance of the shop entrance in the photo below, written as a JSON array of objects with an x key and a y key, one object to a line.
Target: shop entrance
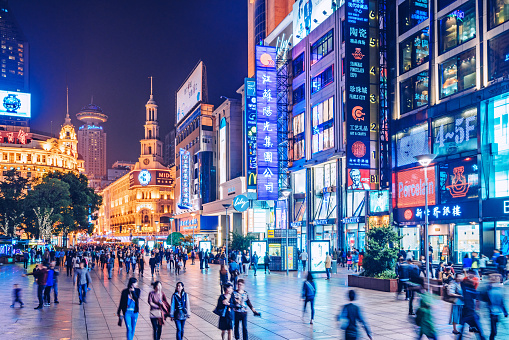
[{"x": 438, "y": 242}]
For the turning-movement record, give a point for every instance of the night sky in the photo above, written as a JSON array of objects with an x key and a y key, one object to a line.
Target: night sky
[{"x": 109, "y": 48}]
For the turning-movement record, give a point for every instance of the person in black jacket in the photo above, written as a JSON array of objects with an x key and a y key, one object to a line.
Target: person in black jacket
[
  {"x": 308, "y": 295},
  {"x": 152, "y": 263},
  {"x": 129, "y": 306},
  {"x": 352, "y": 313}
]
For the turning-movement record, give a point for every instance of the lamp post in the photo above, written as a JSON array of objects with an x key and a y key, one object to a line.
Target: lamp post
[
  {"x": 193, "y": 215},
  {"x": 226, "y": 206},
  {"x": 425, "y": 161},
  {"x": 286, "y": 193}
]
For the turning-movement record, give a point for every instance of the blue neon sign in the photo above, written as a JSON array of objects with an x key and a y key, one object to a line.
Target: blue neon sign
[
  {"x": 250, "y": 131},
  {"x": 266, "y": 105},
  {"x": 185, "y": 173}
]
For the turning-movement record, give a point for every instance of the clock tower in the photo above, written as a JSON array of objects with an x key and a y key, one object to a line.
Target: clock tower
[{"x": 151, "y": 146}]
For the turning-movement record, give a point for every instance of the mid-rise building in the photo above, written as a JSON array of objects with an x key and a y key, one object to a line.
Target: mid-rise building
[{"x": 92, "y": 143}]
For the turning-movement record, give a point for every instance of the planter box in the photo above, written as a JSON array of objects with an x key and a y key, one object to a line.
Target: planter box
[{"x": 383, "y": 285}]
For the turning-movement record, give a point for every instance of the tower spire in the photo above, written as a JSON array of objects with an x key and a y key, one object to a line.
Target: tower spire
[
  {"x": 151, "y": 85},
  {"x": 67, "y": 118}
]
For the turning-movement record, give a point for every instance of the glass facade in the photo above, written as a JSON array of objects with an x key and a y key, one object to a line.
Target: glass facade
[
  {"x": 458, "y": 73},
  {"x": 323, "y": 125},
  {"x": 410, "y": 241},
  {"x": 498, "y": 56},
  {"x": 502, "y": 237},
  {"x": 323, "y": 79},
  {"x": 414, "y": 92},
  {"x": 414, "y": 51},
  {"x": 444, "y": 3},
  {"x": 498, "y": 12},
  {"x": 298, "y": 136},
  {"x": 299, "y": 94},
  {"x": 457, "y": 27},
  {"x": 322, "y": 47},
  {"x": 466, "y": 241},
  {"x": 298, "y": 65},
  {"x": 411, "y": 13}
]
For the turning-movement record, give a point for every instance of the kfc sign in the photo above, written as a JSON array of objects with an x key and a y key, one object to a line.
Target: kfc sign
[{"x": 411, "y": 188}]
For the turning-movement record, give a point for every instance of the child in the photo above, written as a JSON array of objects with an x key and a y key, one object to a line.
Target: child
[{"x": 16, "y": 294}]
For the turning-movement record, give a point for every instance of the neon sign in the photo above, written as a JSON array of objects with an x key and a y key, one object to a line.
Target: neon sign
[
  {"x": 240, "y": 203},
  {"x": 452, "y": 211},
  {"x": 250, "y": 131},
  {"x": 185, "y": 173},
  {"x": 21, "y": 137}
]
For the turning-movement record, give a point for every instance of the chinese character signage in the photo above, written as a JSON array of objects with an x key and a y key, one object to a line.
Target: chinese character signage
[
  {"x": 20, "y": 137},
  {"x": 411, "y": 187},
  {"x": 185, "y": 173},
  {"x": 357, "y": 84},
  {"x": 266, "y": 105},
  {"x": 250, "y": 129},
  {"x": 452, "y": 211},
  {"x": 459, "y": 180},
  {"x": 456, "y": 133}
]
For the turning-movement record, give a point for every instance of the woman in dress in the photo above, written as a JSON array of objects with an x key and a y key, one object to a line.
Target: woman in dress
[
  {"x": 129, "y": 306},
  {"x": 180, "y": 309},
  {"x": 454, "y": 291},
  {"x": 225, "y": 310},
  {"x": 159, "y": 308}
]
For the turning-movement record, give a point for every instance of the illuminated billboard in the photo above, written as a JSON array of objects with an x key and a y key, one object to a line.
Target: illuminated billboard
[
  {"x": 358, "y": 179},
  {"x": 185, "y": 180},
  {"x": 150, "y": 177},
  {"x": 250, "y": 131},
  {"x": 411, "y": 143},
  {"x": 260, "y": 248},
  {"x": 15, "y": 104},
  {"x": 379, "y": 201},
  {"x": 455, "y": 133},
  {"x": 411, "y": 188},
  {"x": 318, "y": 255},
  {"x": 191, "y": 92},
  {"x": 459, "y": 180},
  {"x": 309, "y": 14}
]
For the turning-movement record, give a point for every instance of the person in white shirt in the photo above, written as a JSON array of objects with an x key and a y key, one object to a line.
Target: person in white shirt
[{"x": 304, "y": 259}]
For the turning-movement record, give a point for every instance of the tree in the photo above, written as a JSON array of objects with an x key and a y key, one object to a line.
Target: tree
[
  {"x": 381, "y": 250},
  {"x": 241, "y": 242},
  {"x": 174, "y": 239},
  {"x": 12, "y": 209}
]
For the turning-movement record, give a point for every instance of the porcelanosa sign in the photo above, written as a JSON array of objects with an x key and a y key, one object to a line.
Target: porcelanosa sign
[{"x": 411, "y": 188}]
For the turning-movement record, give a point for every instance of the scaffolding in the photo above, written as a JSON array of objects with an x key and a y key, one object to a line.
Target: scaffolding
[{"x": 283, "y": 85}]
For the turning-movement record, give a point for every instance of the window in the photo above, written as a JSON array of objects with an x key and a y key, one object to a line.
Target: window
[
  {"x": 298, "y": 65},
  {"x": 298, "y": 124},
  {"x": 322, "y": 47},
  {"x": 299, "y": 94},
  {"x": 498, "y": 56},
  {"x": 414, "y": 51},
  {"x": 457, "y": 73},
  {"x": 411, "y": 13},
  {"x": 323, "y": 125},
  {"x": 323, "y": 79},
  {"x": 414, "y": 92},
  {"x": 499, "y": 12},
  {"x": 444, "y": 3},
  {"x": 457, "y": 27},
  {"x": 298, "y": 136}
]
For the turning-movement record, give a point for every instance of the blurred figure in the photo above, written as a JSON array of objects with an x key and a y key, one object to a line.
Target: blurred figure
[
  {"x": 494, "y": 296},
  {"x": 469, "y": 314},
  {"x": 352, "y": 313},
  {"x": 456, "y": 295},
  {"x": 16, "y": 296},
  {"x": 424, "y": 319},
  {"x": 308, "y": 294}
]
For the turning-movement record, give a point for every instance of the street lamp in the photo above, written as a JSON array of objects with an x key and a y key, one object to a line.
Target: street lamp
[
  {"x": 286, "y": 193},
  {"x": 193, "y": 215},
  {"x": 226, "y": 206},
  {"x": 425, "y": 161}
]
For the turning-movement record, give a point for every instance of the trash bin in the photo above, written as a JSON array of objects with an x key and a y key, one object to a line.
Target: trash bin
[{"x": 334, "y": 267}]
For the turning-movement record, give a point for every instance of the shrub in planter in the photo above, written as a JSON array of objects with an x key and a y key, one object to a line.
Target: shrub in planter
[{"x": 381, "y": 251}]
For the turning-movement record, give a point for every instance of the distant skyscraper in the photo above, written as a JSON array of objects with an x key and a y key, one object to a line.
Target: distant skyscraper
[
  {"x": 92, "y": 143},
  {"x": 14, "y": 56}
]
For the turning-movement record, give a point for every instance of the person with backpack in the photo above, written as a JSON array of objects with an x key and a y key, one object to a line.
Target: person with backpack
[
  {"x": 424, "y": 318},
  {"x": 352, "y": 313},
  {"x": 308, "y": 295}
]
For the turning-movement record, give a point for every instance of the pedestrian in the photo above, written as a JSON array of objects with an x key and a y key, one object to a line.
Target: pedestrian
[
  {"x": 206, "y": 259},
  {"x": 159, "y": 308},
  {"x": 455, "y": 296},
  {"x": 223, "y": 277},
  {"x": 109, "y": 265},
  {"x": 234, "y": 272},
  {"x": 469, "y": 315},
  {"x": 352, "y": 313},
  {"x": 120, "y": 262},
  {"x": 402, "y": 276},
  {"x": 16, "y": 296},
  {"x": 413, "y": 284},
  {"x": 224, "y": 309},
  {"x": 254, "y": 262},
  {"x": 82, "y": 279},
  {"x": 245, "y": 262},
  {"x": 328, "y": 265},
  {"x": 130, "y": 307},
  {"x": 40, "y": 274},
  {"x": 467, "y": 263},
  {"x": 424, "y": 318},
  {"x": 494, "y": 296},
  {"x": 308, "y": 295},
  {"x": 266, "y": 262},
  {"x": 501, "y": 262},
  {"x": 304, "y": 259},
  {"x": 68, "y": 264},
  {"x": 134, "y": 262},
  {"x": 193, "y": 256},
  {"x": 127, "y": 263},
  {"x": 141, "y": 265},
  {"x": 152, "y": 264},
  {"x": 348, "y": 260},
  {"x": 180, "y": 309},
  {"x": 184, "y": 260},
  {"x": 241, "y": 303},
  {"x": 51, "y": 283},
  {"x": 355, "y": 260},
  {"x": 25, "y": 259}
]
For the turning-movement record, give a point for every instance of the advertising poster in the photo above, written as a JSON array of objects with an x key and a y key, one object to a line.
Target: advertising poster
[
  {"x": 16, "y": 104},
  {"x": 455, "y": 133},
  {"x": 205, "y": 246},
  {"x": 411, "y": 143},
  {"x": 274, "y": 249},
  {"x": 317, "y": 255},
  {"x": 250, "y": 130},
  {"x": 379, "y": 201},
  {"x": 411, "y": 188},
  {"x": 190, "y": 93},
  {"x": 309, "y": 14},
  {"x": 260, "y": 248},
  {"x": 358, "y": 179},
  {"x": 459, "y": 180},
  {"x": 289, "y": 257}
]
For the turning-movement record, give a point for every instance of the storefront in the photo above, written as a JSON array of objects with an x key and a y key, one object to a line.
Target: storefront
[
  {"x": 298, "y": 211},
  {"x": 496, "y": 225}
]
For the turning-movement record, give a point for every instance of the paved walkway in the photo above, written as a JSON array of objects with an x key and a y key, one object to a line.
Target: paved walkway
[{"x": 276, "y": 296}]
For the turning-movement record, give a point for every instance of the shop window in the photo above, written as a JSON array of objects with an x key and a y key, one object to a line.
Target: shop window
[
  {"x": 414, "y": 51},
  {"x": 299, "y": 94},
  {"x": 411, "y": 13},
  {"x": 457, "y": 27},
  {"x": 414, "y": 92},
  {"x": 323, "y": 125},
  {"x": 498, "y": 11},
  {"x": 499, "y": 178},
  {"x": 298, "y": 65},
  {"x": 457, "y": 73},
  {"x": 322, "y": 47},
  {"x": 502, "y": 237},
  {"x": 323, "y": 79},
  {"x": 467, "y": 240},
  {"x": 498, "y": 56}
]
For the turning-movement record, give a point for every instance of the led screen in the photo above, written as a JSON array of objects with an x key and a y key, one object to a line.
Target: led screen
[
  {"x": 318, "y": 255},
  {"x": 410, "y": 187},
  {"x": 190, "y": 93},
  {"x": 455, "y": 133},
  {"x": 205, "y": 246},
  {"x": 309, "y": 14},
  {"x": 411, "y": 143},
  {"x": 16, "y": 104},
  {"x": 260, "y": 248}
]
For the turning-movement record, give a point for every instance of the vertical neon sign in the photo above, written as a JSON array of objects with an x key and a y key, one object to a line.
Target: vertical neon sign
[
  {"x": 266, "y": 98},
  {"x": 185, "y": 194},
  {"x": 250, "y": 131}
]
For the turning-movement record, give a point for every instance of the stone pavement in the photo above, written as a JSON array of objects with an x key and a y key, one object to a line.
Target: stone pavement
[{"x": 276, "y": 296}]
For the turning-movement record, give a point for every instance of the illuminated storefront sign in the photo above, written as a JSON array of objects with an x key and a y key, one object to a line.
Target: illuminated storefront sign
[
  {"x": 20, "y": 137},
  {"x": 190, "y": 93},
  {"x": 222, "y": 151},
  {"x": 150, "y": 177},
  {"x": 357, "y": 87},
  {"x": 465, "y": 210},
  {"x": 411, "y": 188},
  {"x": 250, "y": 129},
  {"x": 309, "y": 14},
  {"x": 185, "y": 180},
  {"x": 189, "y": 223},
  {"x": 16, "y": 104},
  {"x": 456, "y": 133},
  {"x": 497, "y": 207},
  {"x": 459, "y": 180},
  {"x": 240, "y": 203},
  {"x": 379, "y": 201},
  {"x": 358, "y": 179},
  {"x": 266, "y": 100}
]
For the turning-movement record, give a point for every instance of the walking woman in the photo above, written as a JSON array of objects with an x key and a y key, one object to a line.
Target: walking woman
[
  {"x": 120, "y": 262},
  {"x": 180, "y": 309},
  {"x": 159, "y": 308},
  {"x": 141, "y": 264},
  {"x": 308, "y": 294},
  {"x": 223, "y": 277},
  {"x": 225, "y": 311},
  {"x": 130, "y": 307},
  {"x": 454, "y": 291}
]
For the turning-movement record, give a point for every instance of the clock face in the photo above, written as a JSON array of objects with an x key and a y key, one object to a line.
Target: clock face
[
  {"x": 144, "y": 177},
  {"x": 146, "y": 161}
]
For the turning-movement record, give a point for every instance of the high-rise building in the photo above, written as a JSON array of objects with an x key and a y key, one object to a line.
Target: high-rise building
[
  {"x": 169, "y": 149},
  {"x": 92, "y": 143},
  {"x": 14, "y": 56}
]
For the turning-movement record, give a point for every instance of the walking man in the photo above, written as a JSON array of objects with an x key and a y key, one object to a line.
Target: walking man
[
  {"x": 304, "y": 259},
  {"x": 328, "y": 265},
  {"x": 82, "y": 279},
  {"x": 254, "y": 262},
  {"x": 40, "y": 275},
  {"x": 352, "y": 313},
  {"x": 109, "y": 265},
  {"x": 469, "y": 315},
  {"x": 242, "y": 302},
  {"x": 266, "y": 260},
  {"x": 494, "y": 296}
]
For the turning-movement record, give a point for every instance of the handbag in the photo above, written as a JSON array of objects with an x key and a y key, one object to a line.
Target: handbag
[
  {"x": 156, "y": 313},
  {"x": 220, "y": 311}
]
